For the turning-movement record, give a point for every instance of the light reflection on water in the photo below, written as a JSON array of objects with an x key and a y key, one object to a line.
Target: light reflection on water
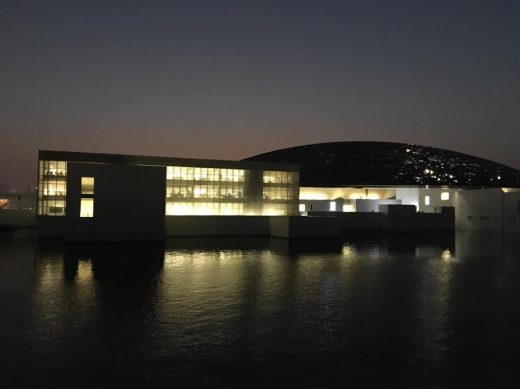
[{"x": 422, "y": 310}]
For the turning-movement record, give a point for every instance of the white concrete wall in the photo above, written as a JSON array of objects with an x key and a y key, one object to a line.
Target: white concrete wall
[
  {"x": 435, "y": 199},
  {"x": 365, "y": 205},
  {"x": 511, "y": 208},
  {"x": 408, "y": 196},
  {"x": 478, "y": 209},
  {"x": 322, "y": 205},
  {"x": 319, "y": 193},
  {"x": 21, "y": 200}
]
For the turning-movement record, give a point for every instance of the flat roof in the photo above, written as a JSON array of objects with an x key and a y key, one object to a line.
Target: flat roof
[{"x": 72, "y": 156}]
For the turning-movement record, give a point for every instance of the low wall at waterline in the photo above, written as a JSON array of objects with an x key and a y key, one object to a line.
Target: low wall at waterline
[
  {"x": 394, "y": 218},
  {"x": 290, "y": 227}
]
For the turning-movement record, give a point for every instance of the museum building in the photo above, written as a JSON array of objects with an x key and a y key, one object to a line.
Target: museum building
[
  {"x": 87, "y": 196},
  {"x": 310, "y": 191},
  {"x": 363, "y": 182}
]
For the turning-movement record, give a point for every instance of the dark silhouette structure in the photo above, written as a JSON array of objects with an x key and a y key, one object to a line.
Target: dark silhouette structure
[{"x": 340, "y": 164}]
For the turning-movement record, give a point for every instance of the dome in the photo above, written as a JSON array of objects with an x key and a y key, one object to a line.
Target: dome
[{"x": 383, "y": 163}]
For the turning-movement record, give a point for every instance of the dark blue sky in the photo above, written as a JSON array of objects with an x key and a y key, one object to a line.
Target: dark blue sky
[{"x": 230, "y": 79}]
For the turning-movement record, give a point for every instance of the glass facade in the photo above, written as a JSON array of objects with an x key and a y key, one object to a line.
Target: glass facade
[
  {"x": 218, "y": 191},
  {"x": 52, "y": 188},
  {"x": 280, "y": 192}
]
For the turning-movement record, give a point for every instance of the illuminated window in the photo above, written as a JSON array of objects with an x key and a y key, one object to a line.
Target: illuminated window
[
  {"x": 279, "y": 177},
  {"x": 87, "y": 203},
  {"x": 87, "y": 185},
  {"x": 222, "y": 191},
  {"x": 278, "y": 193},
  {"x": 426, "y": 200},
  {"x": 52, "y": 188},
  {"x": 4, "y": 203},
  {"x": 332, "y": 206},
  {"x": 302, "y": 208},
  {"x": 87, "y": 207},
  {"x": 445, "y": 196}
]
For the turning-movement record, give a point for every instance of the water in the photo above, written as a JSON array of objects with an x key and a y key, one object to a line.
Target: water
[{"x": 372, "y": 310}]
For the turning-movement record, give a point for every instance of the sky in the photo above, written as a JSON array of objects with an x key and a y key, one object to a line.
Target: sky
[{"x": 231, "y": 79}]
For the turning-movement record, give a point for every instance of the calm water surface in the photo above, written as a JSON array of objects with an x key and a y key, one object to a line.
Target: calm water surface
[{"x": 368, "y": 311}]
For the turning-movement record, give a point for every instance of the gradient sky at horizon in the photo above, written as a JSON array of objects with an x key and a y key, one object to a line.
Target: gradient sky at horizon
[{"x": 231, "y": 79}]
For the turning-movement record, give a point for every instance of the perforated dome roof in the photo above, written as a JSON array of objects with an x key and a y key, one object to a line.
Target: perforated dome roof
[{"x": 385, "y": 163}]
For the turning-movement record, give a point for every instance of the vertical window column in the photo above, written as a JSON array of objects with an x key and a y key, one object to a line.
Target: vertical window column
[
  {"x": 87, "y": 197},
  {"x": 52, "y": 188}
]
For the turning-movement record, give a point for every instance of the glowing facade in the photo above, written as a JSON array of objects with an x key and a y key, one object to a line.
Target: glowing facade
[
  {"x": 52, "y": 187},
  {"x": 223, "y": 191},
  {"x": 193, "y": 186}
]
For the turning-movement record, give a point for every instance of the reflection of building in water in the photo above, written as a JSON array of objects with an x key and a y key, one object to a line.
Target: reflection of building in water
[
  {"x": 80, "y": 262},
  {"x": 117, "y": 261}
]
